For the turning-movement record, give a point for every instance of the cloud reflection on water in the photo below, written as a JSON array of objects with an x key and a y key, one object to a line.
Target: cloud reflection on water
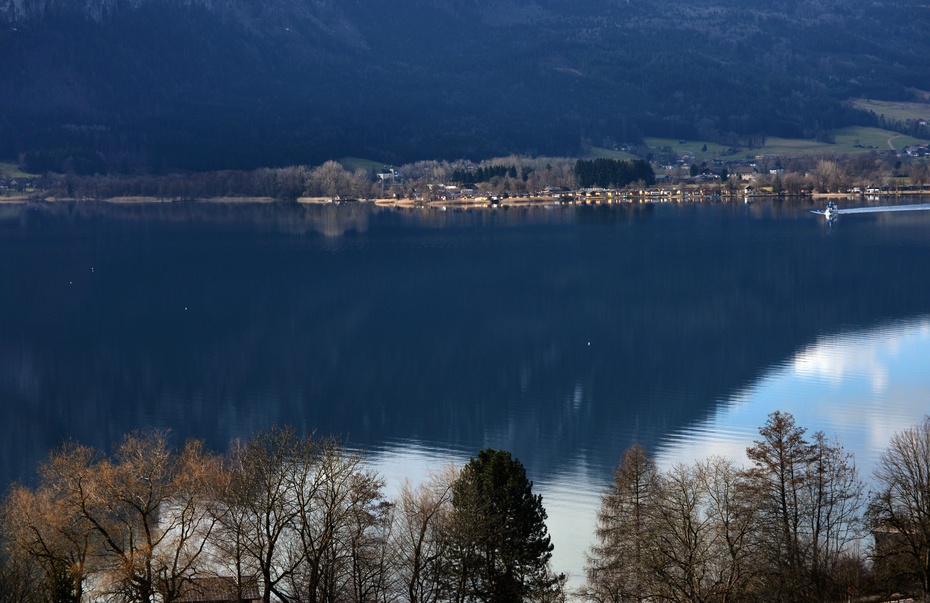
[{"x": 861, "y": 387}]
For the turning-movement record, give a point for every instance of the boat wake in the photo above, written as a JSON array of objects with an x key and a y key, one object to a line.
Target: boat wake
[{"x": 832, "y": 211}]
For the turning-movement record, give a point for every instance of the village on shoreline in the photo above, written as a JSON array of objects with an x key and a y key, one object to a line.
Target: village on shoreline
[
  {"x": 666, "y": 174},
  {"x": 567, "y": 197}
]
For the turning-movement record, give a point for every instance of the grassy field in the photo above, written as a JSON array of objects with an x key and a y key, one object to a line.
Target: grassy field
[
  {"x": 894, "y": 110},
  {"x": 792, "y": 146},
  {"x": 691, "y": 146},
  {"x": 847, "y": 140},
  {"x": 875, "y": 137},
  {"x": 355, "y": 163},
  {"x": 850, "y": 140},
  {"x": 11, "y": 170},
  {"x": 602, "y": 153}
]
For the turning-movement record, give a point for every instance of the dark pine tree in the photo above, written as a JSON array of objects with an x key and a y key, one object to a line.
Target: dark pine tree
[{"x": 502, "y": 546}]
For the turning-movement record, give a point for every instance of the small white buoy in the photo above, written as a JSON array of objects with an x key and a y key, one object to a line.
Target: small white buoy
[{"x": 589, "y": 343}]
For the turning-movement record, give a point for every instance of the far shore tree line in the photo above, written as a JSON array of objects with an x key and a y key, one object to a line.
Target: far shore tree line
[
  {"x": 294, "y": 518},
  {"x": 515, "y": 176}
]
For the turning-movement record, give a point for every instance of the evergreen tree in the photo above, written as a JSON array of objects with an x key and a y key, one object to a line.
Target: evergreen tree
[
  {"x": 612, "y": 172},
  {"x": 502, "y": 546}
]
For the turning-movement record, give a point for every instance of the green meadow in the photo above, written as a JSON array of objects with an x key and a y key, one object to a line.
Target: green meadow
[
  {"x": 894, "y": 110},
  {"x": 602, "y": 153},
  {"x": 11, "y": 170},
  {"x": 354, "y": 164},
  {"x": 855, "y": 139},
  {"x": 694, "y": 147}
]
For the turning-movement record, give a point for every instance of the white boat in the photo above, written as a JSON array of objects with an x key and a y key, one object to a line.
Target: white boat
[{"x": 830, "y": 213}]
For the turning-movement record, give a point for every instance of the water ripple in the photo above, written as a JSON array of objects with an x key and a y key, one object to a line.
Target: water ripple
[{"x": 860, "y": 387}]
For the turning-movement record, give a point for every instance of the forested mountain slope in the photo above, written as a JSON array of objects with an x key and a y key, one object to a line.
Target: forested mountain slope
[{"x": 160, "y": 84}]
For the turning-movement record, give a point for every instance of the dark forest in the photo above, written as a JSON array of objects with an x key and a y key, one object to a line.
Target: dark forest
[{"x": 157, "y": 87}]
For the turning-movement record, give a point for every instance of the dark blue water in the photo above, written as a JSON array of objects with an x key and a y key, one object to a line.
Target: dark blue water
[{"x": 561, "y": 334}]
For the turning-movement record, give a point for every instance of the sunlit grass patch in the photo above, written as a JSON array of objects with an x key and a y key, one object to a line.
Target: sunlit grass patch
[
  {"x": 602, "y": 153},
  {"x": 353, "y": 164},
  {"x": 694, "y": 147},
  {"x": 894, "y": 110},
  {"x": 794, "y": 146},
  {"x": 874, "y": 137},
  {"x": 854, "y": 139},
  {"x": 11, "y": 170}
]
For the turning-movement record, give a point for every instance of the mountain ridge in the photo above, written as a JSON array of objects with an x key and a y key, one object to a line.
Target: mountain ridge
[{"x": 204, "y": 84}]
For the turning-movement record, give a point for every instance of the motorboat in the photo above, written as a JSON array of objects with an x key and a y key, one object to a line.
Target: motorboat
[{"x": 830, "y": 212}]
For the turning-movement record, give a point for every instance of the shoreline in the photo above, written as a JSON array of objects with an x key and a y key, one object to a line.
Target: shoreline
[{"x": 572, "y": 198}]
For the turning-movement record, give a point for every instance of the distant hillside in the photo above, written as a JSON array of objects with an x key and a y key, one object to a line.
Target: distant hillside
[{"x": 153, "y": 85}]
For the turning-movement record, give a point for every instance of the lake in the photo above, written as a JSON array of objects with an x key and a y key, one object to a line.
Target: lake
[{"x": 563, "y": 334}]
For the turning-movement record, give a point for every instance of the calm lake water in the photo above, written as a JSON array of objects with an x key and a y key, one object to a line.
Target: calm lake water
[{"x": 561, "y": 334}]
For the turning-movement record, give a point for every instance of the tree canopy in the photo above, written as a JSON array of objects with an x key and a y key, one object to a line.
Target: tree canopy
[
  {"x": 613, "y": 172},
  {"x": 900, "y": 510},
  {"x": 301, "y": 519},
  {"x": 502, "y": 544},
  {"x": 783, "y": 529}
]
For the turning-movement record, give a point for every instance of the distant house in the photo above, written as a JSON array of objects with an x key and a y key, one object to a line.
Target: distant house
[
  {"x": 894, "y": 560},
  {"x": 221, "y": 589},
  {"x": 745, "y": 173}
]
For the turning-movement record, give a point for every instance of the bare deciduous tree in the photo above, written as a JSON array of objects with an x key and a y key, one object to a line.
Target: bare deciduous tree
[
  {"x": 330, "y": 180},
  {"x": 919, "y": 173},
  {"x": 900, "y": 509},
  {"x": 826, "y": 175},
  {"x": 421, "y": 538},
  {"x": 683, "y": 538},
  {"x": 808, "y": 499},
  {"x": 617, "y": 566},
  {"x": 732, "y": 512},
  {"x": 341, "y": 527},
  {"x": 18, "y": 579},
  {"x": 834, "y": 500},
  {"x": 307, "y": 517},
  {"x": 150, "y": 509},
  {"x": 686, "y": 540},
  {"x": 260, "y": 509},
  {"x": 779, "y": 469},
  {"x": 45, "y": 525},
  {"x": 138, "y": 523}
]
